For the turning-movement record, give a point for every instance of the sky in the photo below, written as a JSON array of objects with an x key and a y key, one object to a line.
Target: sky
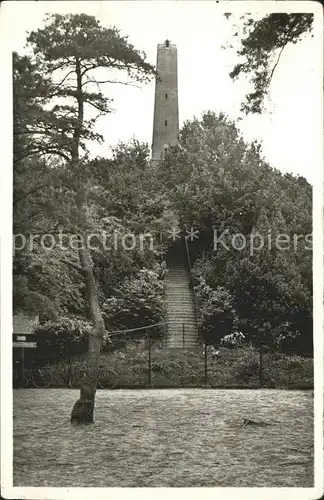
[{"x": 289, "y": 127}]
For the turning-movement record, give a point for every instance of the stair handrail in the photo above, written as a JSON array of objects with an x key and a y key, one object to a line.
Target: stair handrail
[
  {"x": 191, "y": 278},
  {"x": 147, "y": 327}
]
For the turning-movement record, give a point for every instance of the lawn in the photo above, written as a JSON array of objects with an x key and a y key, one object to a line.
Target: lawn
[{"x": 174, "y": 437}]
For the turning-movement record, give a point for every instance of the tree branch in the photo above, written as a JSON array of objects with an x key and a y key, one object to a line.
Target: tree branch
[
  {"x": 110, "y": 81},
  {"x": 279, "y": 56},
  {"x": 57, "y": 85},
  {"x": 71, "y": 264},
  {"x": 28, "y": 193},
  {"x": 97, "y": 107},
  {"x": 42, "y": 152}
]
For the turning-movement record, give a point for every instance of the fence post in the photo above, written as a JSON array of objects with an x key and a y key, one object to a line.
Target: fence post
[
  {"x": 206, "y": 364},
  {"x": 22, "y": 368},
  {"x": 260, "y": 366},
  {"x": 183, "y": 334},
  {"x": 69, "y": 362},
  {"x": 149, "y": 359}
]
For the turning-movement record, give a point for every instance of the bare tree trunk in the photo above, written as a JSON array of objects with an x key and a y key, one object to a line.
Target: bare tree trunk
[{"x": 83, "y": 410}]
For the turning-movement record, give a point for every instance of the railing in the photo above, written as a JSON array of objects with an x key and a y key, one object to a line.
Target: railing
[
  {"x": 192, "y": 284},
  {"x": 120, "y": 332}
]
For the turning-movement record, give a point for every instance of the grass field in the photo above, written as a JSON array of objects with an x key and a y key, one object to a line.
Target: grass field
[{"x": 177, "y": 438}]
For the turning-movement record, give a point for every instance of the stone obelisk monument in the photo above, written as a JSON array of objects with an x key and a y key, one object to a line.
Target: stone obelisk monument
[{"x": 166, "y": 112}]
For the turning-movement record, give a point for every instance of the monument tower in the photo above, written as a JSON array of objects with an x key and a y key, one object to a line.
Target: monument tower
[{"x": 166, "y": 112}]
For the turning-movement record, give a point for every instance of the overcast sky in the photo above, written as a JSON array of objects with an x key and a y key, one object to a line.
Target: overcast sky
[{"x": 199, "y": 29}]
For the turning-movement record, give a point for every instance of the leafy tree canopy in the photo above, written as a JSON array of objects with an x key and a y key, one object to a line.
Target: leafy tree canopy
[
  {"x": 219, "y": 183},
  {"x": 262, "y": 44}
]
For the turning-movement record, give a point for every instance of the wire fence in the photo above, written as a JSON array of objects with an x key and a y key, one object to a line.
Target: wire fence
[
  {"x": 247, "y": 366},
  {"x": 157, "y": 363},
  {"x": 143, "y": 357}
]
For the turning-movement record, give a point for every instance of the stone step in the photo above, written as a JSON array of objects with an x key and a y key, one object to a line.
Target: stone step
[
  {"x": 175, "y": 269},
  {"x": 183, "y": 316},
  {"x": 188, "y": 303},
  {"x": 179, "y": 336},
  {"x": 177, "y": 283},
  {"x": 178, "y": 346},
  {"x": 180, "y": 277},
  {"x": 176, "y": 288},
  {"x": 181, "y": 320},
  {"x": 179, "y": 324},
  {"x": 175, "y": 276},
  {"x": 182, "y": 313},
  {"x": 189, "y": 331},
  {"x": 178, "y": 272},
  {"x": 177, "y": 304},
  {"x": 176, "y": 341},
  {"x": 181, "y": 306},
  {"x": 180, "y": 340},
  {"x": 184, "y": 299},
  {"x": 181, "y": 295}
]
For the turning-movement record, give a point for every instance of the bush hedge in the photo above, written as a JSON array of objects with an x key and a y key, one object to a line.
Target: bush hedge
[{"x": 186, "y": 367}]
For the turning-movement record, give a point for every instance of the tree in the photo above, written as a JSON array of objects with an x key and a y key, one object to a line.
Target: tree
[
  {"x": 261, "y": 48},
  {"x": 72, "y": 53},
  {"x": 222, "y": 187}
]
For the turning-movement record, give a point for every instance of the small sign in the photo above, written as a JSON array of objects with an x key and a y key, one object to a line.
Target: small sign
[
  {"x": 23, "y": 337},
  {"x": 24, "y": 344}
]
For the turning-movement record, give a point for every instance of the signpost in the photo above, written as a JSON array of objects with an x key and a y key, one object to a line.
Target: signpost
[
  {"x": 24, "y": 344},
  {"x": 25, "y": 340}
]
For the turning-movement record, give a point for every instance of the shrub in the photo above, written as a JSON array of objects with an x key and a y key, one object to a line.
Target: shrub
[
  {"x": 62, "y": 337},
  {"x": 231, "y": 367},
  {"x": 136, "y": 302},
  {"x": 248, "y": 371},
  {"x": 217, "y": 313},
  {"x": 233, "y": 340}
]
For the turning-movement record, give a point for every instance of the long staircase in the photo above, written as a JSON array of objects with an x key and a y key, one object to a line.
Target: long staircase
[{"x": 182, "y": 329}]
